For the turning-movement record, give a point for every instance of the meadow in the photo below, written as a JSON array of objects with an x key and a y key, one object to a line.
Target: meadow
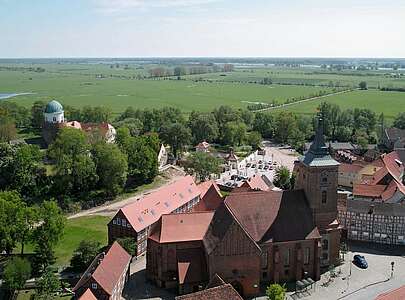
[
  {"x": 79, "y": 90},
  {"x": 390, "y": 103}
]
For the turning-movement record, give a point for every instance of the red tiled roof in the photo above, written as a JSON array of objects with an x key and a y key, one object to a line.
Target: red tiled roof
[
  {"x": 350, "y": 168},
  {"x": 221, "y": 292},
  {"x": 88, "y": 295},
  {"x": 368, "y": 190},
  {"x": 211, "y": 197},
  {"x": 256, "y": 182},
  {"x": 398, "y": 294},
  {"x": 107, "y": 269},
  {"x": 203, "y": 145},
  {"x": 111, "y": 268},
  {"x": 72, "y": 124},
  {"x": 182, "y": 227},
  {"x": 167, "y": 199}
]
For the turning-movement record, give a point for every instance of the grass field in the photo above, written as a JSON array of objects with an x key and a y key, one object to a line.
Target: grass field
[
  {"x": 391, "y": 103},
  {"x": 76, "y": 230}
]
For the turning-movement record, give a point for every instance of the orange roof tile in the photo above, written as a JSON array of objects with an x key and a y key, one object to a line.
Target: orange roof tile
[
  {"x": 182, "y": 227},
  {"x": 88, "y": 295},
  {"x": 398, "y": 294},
  {"x": 147, "y": 210},
  {"x": 368, "y": 190},
  {"x": 221, "y": 292},
  {"x": 256, "y": 182}
]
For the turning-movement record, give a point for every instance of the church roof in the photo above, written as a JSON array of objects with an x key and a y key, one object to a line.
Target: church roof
[
  {"x": 318, "y": 153},
  {"x": 53, "y": 107}
]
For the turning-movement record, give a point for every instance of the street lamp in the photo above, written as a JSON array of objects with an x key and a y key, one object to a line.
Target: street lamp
[
  {"x": 392, "y": 269},
  {"x": 255, "y": 286}
]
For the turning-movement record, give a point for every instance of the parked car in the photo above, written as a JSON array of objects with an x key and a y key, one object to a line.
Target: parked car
[
  {"x": 266, "y": 167},
  {"x": 253, "y": 166},
  {"x": 248, "y": 165},
  {"x": 260, "y": 167},
  {"x": 235, "y": 185},
  {"x": 271, "y": 168},
  {"x": 260, "y": 161},
  {"x": 228, "y": 183},
  {"x": 360, "y": 261},
  {"x": 274, "y": 163}
]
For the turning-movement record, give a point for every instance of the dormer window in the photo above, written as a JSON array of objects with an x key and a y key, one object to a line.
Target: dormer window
[{"x": 94, "y": 286}]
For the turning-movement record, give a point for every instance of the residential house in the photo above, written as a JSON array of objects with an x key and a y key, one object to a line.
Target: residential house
[
  {"x": 106, "y": 276},
  {"x": 203, "y": 147},
  {"x": 393, "y": 138}
]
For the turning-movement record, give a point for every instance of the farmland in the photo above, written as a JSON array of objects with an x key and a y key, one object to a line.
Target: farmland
[
  {"x": 390, "y": 103},
  {"x": 119, "y": 86}
]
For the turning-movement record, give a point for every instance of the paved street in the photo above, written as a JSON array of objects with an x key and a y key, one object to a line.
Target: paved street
[{"x": 363, "y": 284}]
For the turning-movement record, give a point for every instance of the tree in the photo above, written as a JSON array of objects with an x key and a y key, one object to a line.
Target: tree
[
  {"x": 275, "y": 292},
  {"x": 16, "y": 273},
  {"x": 84, "y": 254},
  {"x": 399, "y": 121},
  {"x": 47, "y": 285},
  {"x": 363, "y": 85},
  {"x": 203, "y": 127},
  {"x": 264, "y": 123},
  {"x": 177, "y": 136},
  {"x": 8, "y": 131},
  {"x": 282, "y": 178},
  {"x": 286, "y": 124},
  {"x": 75, "y": 169},
  {"x": 135, "y": 126},
  {"x": 97, "y": 114},
  {"x": 234, "y": 133},
  {"x": 37, "y": 114},
  {"x": 254, "y": 139},
  {"x": 111, "y": 167},
  {"x": 203, "y": 165},
  {"x": 129, "y": 244},
  {"x": 47, "y": 234}
]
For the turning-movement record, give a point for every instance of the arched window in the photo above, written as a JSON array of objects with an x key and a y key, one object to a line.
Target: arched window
[
  {"x": 54, "y": 119},
  {"x": 324, "y": 196},
  {"x": 325, "y": 245}
]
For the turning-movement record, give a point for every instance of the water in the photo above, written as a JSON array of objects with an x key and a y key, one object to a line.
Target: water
[{"x": 7, "y": 96}]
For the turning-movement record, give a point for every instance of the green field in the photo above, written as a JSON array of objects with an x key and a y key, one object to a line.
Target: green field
[
  {"x": 76, "y": 230},
  {"x": 79, "y": 90},
  {"x": 391, "y": 103}
]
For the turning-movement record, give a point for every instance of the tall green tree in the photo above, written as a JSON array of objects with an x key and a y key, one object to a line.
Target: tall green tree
[
  {"x": 37, "y": 114},
  {"x": 111, "y": 167},
  {"x": 234, "y": 133},
  {"x": 283, "y": 178},
  {"x": 129, "y": 244},
  {"x": 264, "y": 123},
  {"x": 16, "y": 273},
  {"x": 177, "y": 136},
  {"x": 47, "y": 234},
  {"x": 286, "y": 124},
  {"x": 8, "y": 129},
  {"x": 84, "y": 254},
  {"x": 202, "y": 165},
  {"x": 254, "y": 139},
  {"x": 399, "y": 121},
  {"x": 203, "y": 127},
  {"x": 47, "y": 285}
]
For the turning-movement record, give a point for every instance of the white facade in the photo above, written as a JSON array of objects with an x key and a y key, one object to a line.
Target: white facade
[{"x": 56, "y": 117}]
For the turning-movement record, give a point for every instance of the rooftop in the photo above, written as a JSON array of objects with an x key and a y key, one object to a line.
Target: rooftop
[
  {"x": 53, "y": 107},
  {"x": 147, "y": 210},
  {"x": 88, "y": 295},
  {"x": 221, "y": 292}
]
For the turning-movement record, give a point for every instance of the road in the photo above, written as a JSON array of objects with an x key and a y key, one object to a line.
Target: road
[{"x": 110, "y": 208}]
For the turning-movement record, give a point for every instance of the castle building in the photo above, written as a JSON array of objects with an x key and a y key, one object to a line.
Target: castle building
[
  {"x": 54, "y": 120},
  {"x": 317, "y": 176}
]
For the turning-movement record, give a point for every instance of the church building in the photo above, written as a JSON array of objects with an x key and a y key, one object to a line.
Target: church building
[{"x": 255, "y": 236}]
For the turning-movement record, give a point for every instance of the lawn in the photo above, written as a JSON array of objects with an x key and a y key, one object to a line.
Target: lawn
[
  {"x": 79, "y": 90},
  {"x": 390, "y": 103},
  {"x": 76, "y": 230}
]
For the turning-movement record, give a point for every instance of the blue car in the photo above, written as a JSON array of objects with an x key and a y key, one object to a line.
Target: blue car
[{"x": 360, "y": 261}]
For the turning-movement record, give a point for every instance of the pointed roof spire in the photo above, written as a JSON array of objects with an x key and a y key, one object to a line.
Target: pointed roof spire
[{"x": 318, "y": 153}]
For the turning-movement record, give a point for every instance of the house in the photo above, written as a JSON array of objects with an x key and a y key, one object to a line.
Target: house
[
  {"x": 162, "y": 157},
  {"x": 397, "y": 294},
  {"x": 106, "y": 276},
  {"x": 217, "y": 289},
  {"x": 135, "y": 219},
  {"x": 257, "y": 182},
  {"x": 376, "y": 211},
  {"x": 232, "y": 160},
  {"x": 393, "y": 138},
  {"x": 211, "y": 197},
  {"x": 203, "y": 147},
  {"x": 349, "y": 174}
]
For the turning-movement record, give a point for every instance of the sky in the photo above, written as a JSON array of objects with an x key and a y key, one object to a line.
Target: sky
[{"x": 202, "y": 28}]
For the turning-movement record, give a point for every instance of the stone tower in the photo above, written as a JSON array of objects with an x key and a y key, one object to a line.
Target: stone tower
[
  {"x": 317, "y": 175},
  {"x": 53, "y": 118}
]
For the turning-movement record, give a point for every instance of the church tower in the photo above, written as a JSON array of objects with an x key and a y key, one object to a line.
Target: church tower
[{"x": 317, "y": 175}]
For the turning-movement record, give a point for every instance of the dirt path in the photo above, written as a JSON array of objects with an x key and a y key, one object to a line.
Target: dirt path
[
  {"x": 301, "y": 101},
  {"x": 110, "y": 208}
]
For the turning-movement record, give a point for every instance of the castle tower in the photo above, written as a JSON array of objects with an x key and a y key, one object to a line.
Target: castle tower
[
  {"x": 54, "y": 113},
  {"x": 53, "y": 117},
  {"x": 317, "y": 175}
]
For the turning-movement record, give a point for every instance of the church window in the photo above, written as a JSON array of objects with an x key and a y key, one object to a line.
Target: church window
[
  {"x": 325, "y": 245},
  {"x": 306, "y": 255},
  {"x": 324, "y": 179},
  {"x": 324, "y": 196},
  {"x": 54, "y": 119},
  {"x": 287, "y": 257}
]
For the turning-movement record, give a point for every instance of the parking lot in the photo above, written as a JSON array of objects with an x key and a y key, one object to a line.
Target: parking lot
[{"x": 253, "y": 164}]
